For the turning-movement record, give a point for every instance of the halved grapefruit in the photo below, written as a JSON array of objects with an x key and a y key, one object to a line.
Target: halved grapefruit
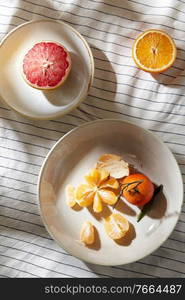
[{"x": 46, "y": 65}]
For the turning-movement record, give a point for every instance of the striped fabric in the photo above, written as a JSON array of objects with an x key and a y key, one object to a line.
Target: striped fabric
[{"x": 119, "y": 91}]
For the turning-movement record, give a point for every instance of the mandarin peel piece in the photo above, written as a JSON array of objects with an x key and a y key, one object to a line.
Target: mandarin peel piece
[
  {"x": 113, "y": 164},
  {"x": 108, "y": 157}
]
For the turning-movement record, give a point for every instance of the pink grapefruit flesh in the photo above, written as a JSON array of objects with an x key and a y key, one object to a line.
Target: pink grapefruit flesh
[{"x": 46, "y": 65}]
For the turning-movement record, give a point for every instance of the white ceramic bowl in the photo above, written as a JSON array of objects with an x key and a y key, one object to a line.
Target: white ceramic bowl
[
  {"x": 37, "y": 104},
  {"x": 73, "y": 156}
]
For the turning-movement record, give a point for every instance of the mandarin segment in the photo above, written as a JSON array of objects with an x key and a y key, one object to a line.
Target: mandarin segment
[
  {"x": 116, "y": 226},
  {"x": 96, "y": 177},
  {"x": 84, "y": 195},
  {"x": 104, "y": 174},
  {"x": 97, "y": 203},
  {"x": 70, "y": 195},
  {"x": 87, "y": 235},
  {"x": 110, "y": 183},
  {"x": 93, "y": 178},
  {"x": 107, "y": 196}
]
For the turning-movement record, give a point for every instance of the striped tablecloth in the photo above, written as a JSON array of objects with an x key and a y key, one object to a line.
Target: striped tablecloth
[{"x": 119, "y": 91}]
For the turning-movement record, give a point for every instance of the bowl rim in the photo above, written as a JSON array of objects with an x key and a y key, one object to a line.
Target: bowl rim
[
  {"x": 90, "y": 78},
  {"x": 89, "y": 124}
]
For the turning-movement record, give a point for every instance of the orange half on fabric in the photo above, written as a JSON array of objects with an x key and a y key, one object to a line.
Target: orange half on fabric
[{"x": 154, "y": 51}]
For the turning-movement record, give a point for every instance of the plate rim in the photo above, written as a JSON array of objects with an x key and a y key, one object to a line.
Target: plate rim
[
  {"x": 90, "y": 79},
  {"x": 89, "y": 124}
]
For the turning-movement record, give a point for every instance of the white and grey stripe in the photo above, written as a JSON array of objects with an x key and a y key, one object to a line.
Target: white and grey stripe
[{"x": 119, "y": 91}]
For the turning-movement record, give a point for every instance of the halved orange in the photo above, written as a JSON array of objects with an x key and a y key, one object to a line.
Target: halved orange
[{"x": 154, "y": 51}]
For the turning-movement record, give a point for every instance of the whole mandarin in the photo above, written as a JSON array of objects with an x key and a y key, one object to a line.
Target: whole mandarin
[{"x": 137, "y": 189}]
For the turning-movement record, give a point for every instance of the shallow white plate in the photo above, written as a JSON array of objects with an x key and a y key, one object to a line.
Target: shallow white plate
[
  {"x": 74, "y": 155},
  {"x": 34, "y": 103}
]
